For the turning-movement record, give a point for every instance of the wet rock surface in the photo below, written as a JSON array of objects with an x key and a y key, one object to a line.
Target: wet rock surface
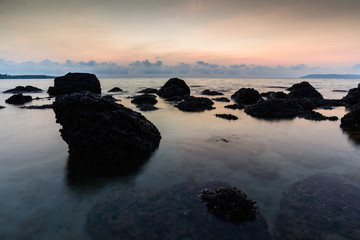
[
  {"x": 144, "y": 99},
  {"x": 148, "y": 90},
  {"x": 195, "y": 104},
  {"x": 303, "y": 90},
  {"x": 246, "y": 96},
  {"x": 18, "y": 99},
  {"x": 211, "y": 93},
  {"x": 173, "y": 213},
  {"x": 351, "y": 120},
  {"x": 104, "y": 137},
  {"x": 174, "y": 87},
  {"x": 22, "y": 89},
  {"x": 320, "y": 207},
  {"x": 221, "y": 99},
  {"x": 115, "y": 89},
  {"x": 75, "y": 82},
  {"x": 227, "y": 116},
  {"x": 229, "y": 204}
]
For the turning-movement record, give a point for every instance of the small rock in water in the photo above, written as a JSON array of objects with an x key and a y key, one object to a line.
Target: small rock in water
[
  {"x": 174, "y": 87},
  {"x": 235, "y": 106},
  {"x": 246, "y": 96},
  {"x": 1, "y": 107},
  {"x": 147, "y": 107},
  {"x": 144, "y": 99},
  {"x": 45, "y": 106},
  {"x": 221, "y": 99},
  {"x": 211, "y": 93},
  {"x": 115, "y": 89},
  {"x": 22, "y": 89},
  {"x": 303, "y": 90},
  {"x": 227, "y": 116},
  {"x": 148, "y": 90},
  {"x": 195, "y": 104},
  {"x": 18, "y": 99}
]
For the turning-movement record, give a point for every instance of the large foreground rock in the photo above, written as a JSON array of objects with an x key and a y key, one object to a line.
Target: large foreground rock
[
  {"x": 22, "y": 89},
  {"x": 195, "y": 104},
  {"x": 351, "y": 120},
  {"x": 103, "y": 136},
  {"x": 320, "y": 207},
  {"x": 246, "y": 96},
  {"x": 18, "y": 99},
  {"x": 75, "y": 82},
  {"x": 174, "y": 213},
  {"x": 304, "y": 90},
  {"x": 174, "y": 87},
  {"x": 353, "y": 96}
]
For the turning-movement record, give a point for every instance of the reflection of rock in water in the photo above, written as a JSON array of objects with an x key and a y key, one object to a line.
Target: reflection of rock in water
[
  {"x": 320, "y": 207},
  {"x": 354, "y": 135},
  {"x": 174, "y": 213}
]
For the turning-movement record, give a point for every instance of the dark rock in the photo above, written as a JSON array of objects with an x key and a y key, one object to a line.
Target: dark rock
[
  {"x": 174, "y": 99},
  {"x": 75, "y": 82},
  {"x": 104, "y": 137},
  {"x": 147, "y": 107},
  {"x": 325, "y": 103},
  {"x": 22, "y": 89},
  {"x": 173, "y": 213},
  {"x": 144, "y": 99},
  {"x": 227, "y": 116},
  {"x": 304, "y": 90},
  {"x": 174, "y": 87},
  {"x": 110, "y": 98},
  {"x": 351, "y": 120},
  {"x": 246, "y": 96},
  {"x": 353, "y": 96},
  {"x": 235, "y": 106},
  {"x": 339, "y": 90},
  {"x": 229, "y": 204},
  {"x": 1, "y": 107},
  {"x": 211, "y": 93},
  {"x": 18, "y": 99},
  {"x": 320, "y": 207},
  {"x": 45, "y": 106},
  {"x": 148, "y": 90},
  {"x": 221, "y": 99},
  {"x": 115, "y": 89},
  {"x": 275, "y": 109},
  {"x": 275, "y": 95},
  {"x": 195, "y": 104},
  {"x": 316, "y": 116}
]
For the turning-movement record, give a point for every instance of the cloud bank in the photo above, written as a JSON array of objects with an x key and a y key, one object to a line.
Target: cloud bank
[{"x": 147, "y": 68}]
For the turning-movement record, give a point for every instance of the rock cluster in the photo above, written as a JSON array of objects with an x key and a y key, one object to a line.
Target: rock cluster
[
  {"x": 75, "y": 82},
  {"x": 22, "y": 89}
]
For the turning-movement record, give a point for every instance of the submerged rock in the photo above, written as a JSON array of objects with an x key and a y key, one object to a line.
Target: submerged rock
[
  {"x": 145, "y": 99},
  {"x": 147, "y": 107},
  {"x": 148, "y": 90},
  {"x": 229, "y": 204},
  {"x": 195, "y": 104},
  {"x": 174, "y": 87},
  {"x": 104, "y": 137},
  {"x": 320, "y": 207},
  {"x": 316, "y": 116},
  {"x": 45, "y": 106},
  {"x": 351, "y": 120},
  {"x": 227, "y": 116},
  {"x": 235, "y": 106},
  {"x": 22, "y": 89},
  {"x": 221, "y": 99},
  {"x": 246, "y": 96},
  {"x": 211, "y": 93},
  {"x": 75, "y": 82},
  {"x": 18, "y": 99},
  {"x": 173, "y": 213},
  {"x": 115, "y": 89},
  {"x": 304, "y": 90}
]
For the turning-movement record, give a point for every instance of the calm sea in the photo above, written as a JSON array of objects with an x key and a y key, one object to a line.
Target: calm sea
[{"x": 40, "y": 200}]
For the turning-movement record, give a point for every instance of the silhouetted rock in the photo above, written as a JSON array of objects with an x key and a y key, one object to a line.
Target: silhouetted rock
[
  {"x": 175, "y": 99},
  {"x": 316, "y": 116},
  {"x": 221, "y": 99},
  {"x": 353, "y": 96},
  {"x": 235, "y": 106},
  {"x": 22, "y": 89},
  {"x": 75, "y": 82},
  {"x": 148, "y": 90},
  {"x": 174, "y": 87},
  {"x": 147, "y": 107},
  {"x": 115, "y": 89},
  {"x": 339, "y": 90},
  {"x": 173, "y": 213},
  {"x": 110, "y": 98},
  {"x": 275, "y": 109},
  {"x": 145, "y": 99},
  {"x": 351, "y": 120},
  {"x": 45, "y": 106},
  {"x": 320, "y": 207},
  {"x": 227, "y": 116},
  {"x": 104, "y": 137},
  {"x": 274, "y": 95},
  {"x": 246, "y": 96},
  {"x": 229, "y": 204},
  {"x": 18, "y": 99},
  {"x": 1, "y": 107},
  {"x": 211, "y": 93},
  {"x": 303, "y": 90},
  {"x": 195, "y": 104}
]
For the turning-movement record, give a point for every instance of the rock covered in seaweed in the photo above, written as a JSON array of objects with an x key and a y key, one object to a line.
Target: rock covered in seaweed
[
  {"x": 75, "y": 82},
  {"x": 103, "y": 136},
  {"x": 195, "y": 104},
  {"x": 304, "y": 90},
  {"x": 173, "y": 213},
  {"x": 18, "y": 99},
  {"x": 174, "y": 87},
  {"x": 22, "y": 89},
  {"x": 246, "y": 96}
]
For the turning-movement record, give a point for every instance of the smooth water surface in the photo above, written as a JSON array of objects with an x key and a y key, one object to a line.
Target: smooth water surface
[{"x": 40, "y": 200}]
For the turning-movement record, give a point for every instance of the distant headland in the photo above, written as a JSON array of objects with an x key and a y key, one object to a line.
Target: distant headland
[
  {"x": 6, "y": 76},
  {"x": 334, "y": 76}
]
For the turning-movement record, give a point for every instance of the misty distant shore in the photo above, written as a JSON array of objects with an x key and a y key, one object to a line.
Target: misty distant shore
[{"x": 6, "y": 76}]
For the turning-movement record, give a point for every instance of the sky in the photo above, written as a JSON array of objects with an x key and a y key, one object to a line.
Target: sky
[{"x": 206, "y": 38}]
